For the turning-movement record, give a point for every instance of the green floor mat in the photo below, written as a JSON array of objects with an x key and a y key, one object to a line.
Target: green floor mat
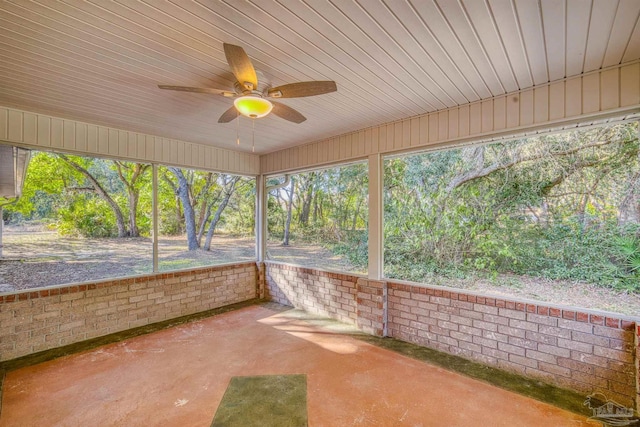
[{"x": 264, "y": 401}]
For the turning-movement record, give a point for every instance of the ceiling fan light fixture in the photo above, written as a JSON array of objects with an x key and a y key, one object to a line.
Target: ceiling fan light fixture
[{"x": 253, "y": 106}]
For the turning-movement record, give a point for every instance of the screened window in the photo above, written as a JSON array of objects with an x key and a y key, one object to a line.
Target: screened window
[
  {"x": 205, "y": 218},
  {"x": 82, "y": 219},
  {"x": 79, "y": 219},
  {"x": 319, "y": 219},
  {"x": 555, "y": 218}
]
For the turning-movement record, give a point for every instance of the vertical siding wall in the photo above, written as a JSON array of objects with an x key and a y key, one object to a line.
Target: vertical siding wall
[
  {"x": 41, "y": 132},
  {"x": 574, "y": 349},
  {"x": 49, "y": 318},
  {"x": 614, "y": 91}
]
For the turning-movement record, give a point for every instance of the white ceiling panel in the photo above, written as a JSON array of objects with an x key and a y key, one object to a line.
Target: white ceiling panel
[
  {"x": 626, "y": 21},
  {"x": 554, "y": 18},
  {"x": 101, "y": 61}
]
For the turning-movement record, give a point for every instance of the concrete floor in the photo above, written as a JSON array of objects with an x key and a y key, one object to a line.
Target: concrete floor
[{"x": 177, "y": 377}]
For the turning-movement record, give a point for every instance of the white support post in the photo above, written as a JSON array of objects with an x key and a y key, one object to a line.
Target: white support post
[
  {"x": 376, "y": 258},
  {"x": 261, "y": 218},
  {"x": 154, "y": 214}
]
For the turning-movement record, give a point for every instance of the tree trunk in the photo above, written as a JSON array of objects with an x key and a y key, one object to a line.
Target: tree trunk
[
  {"x": 200, "y": 200},
  {"x": 356, "y": 214},
  {"x": 100, "y": 191},
  {"x": 203, "y": 220},
  {"x": 315, "y": 207},
  {"x": 229, "y": 189},
  {"x": 133, "y": 192},
  {"x": 178, "y": 210},
  {"x": 287, "y": 224},
  {"x": 187, "y": 207},
  {"x": 308, "y": 198},
  {"x": 133, "y": 207}
]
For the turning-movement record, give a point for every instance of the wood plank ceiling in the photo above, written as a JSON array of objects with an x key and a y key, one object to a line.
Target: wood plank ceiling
[{"x": 100, "y": 61}]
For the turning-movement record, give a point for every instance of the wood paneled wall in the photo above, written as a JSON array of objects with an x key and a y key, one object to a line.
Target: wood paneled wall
[
  {"x": 606, "y": 93},
  {"x": 612, "y": 92},
  {"x": 41, "y": 132}
]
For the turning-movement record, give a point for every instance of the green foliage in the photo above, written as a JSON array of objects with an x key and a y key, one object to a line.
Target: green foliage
[
  {"x": 549, "y": 207},
  {"x": 206, "y": 190},
  {"x": 60, "y": 193},
  {"x": 329, "y": 209},
  {"x": 354, "y": 247},
  {"x": 86, "y": 216},
  {"x": 240, "y": 220}
]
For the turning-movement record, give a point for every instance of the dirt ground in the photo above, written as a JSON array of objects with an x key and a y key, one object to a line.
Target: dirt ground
[{"x": 33, "y": 258}]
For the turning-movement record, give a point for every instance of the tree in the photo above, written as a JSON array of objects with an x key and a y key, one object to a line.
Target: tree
[
  {"x": 97, "y": 188},
  {"x": 201, "y": 199},
  {"x": 131, "y": 175},
  {"x": 183, "y": 193},
  {"x": 228, "y": 187},
  {"x": 289, "y": 208},
  {"x": 554, "y": 206}
]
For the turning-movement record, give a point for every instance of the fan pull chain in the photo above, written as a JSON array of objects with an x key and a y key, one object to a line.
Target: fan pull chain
[
  {"x": 238, "y": 129},
  {"x": 253, "y": 137}
]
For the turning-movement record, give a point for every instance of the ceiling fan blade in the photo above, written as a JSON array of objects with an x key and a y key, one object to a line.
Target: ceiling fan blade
[
  {"x": 297, "y": 90},
  {"x": 241, "y": 66},
  {"x": 287, "y": 113},
  {"x": 228, "y": 115},
  {"x": 199, "y": 90}
]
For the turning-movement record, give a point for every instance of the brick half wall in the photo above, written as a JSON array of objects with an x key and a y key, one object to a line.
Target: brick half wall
[
  {"x": 578, "y": 350},
  {"x": 638, "y": 366},
  {"x": 585, "y": 351},
  {"x": 316, "y": 291},
  {"x": 41, "y": 320}
]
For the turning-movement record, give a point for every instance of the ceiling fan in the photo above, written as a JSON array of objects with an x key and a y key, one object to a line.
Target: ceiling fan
[{"x": 252, "y": 102}]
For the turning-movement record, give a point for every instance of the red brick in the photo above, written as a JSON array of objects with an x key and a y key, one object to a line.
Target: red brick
[
  {"x": 511, "y": 305},
  {"x": 612, "y": 323},
  {"x": 531, "y": 308},
  {"x": 569, "y": 314},
  {"x": 555, "y": 312},
  {"x": 543, "y": 310},
  {"x": 628, "y": 326},
  {"x": 582, "y": 317},
  {"x": 520, "y": 306},
  {"x": 596, "y": 320}
]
